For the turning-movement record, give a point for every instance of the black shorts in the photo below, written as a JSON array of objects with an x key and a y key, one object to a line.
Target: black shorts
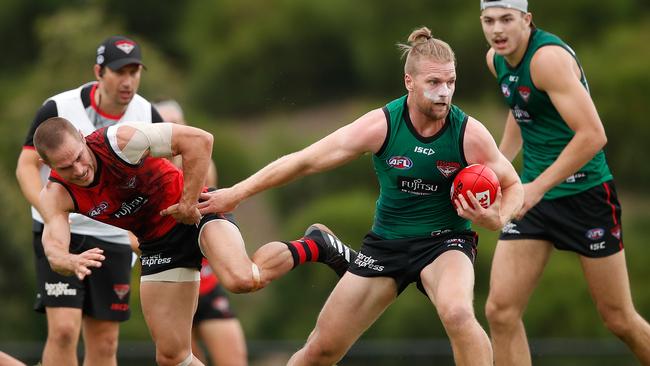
[
  {"x": 213, "y": 305},
  {"x": 179, "y": 248},
  {"x": 588, "y": 223},
  {"x": 103, "y": 295},
  {"x": 404, "y": 259}
]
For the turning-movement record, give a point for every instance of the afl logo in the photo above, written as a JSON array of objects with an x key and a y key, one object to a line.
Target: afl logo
[
  {"x": 595, "y": 234},
  {"x": 400, "y": 162}
]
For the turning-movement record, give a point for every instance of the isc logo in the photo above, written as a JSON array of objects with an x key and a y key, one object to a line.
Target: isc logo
[
  {"x": 400, "y": 162},
  {"x": 597, "y": 246},
  {"x": 424, "y": 150}
]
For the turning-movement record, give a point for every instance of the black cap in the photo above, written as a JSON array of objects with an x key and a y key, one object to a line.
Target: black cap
[{"x": 118, "y": 51}]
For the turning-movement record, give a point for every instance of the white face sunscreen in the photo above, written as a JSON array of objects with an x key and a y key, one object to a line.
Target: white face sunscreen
[{"x": 441, "y": 94}]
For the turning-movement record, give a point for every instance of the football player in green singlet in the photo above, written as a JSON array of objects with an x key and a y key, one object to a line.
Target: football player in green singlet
[
  {"x": 570, "y": 200},
  {"x": 418, "y": 141}
]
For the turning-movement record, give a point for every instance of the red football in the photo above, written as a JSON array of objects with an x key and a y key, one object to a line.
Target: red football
[{"x": 480, "y": 180}]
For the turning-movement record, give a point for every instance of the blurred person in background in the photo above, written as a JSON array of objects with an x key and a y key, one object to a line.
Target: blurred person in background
[
  {"x": 570, "y": 200},
  {"x": 419, "y": 142},
  {"x": 215, "y": 323},
  {"x": 95, "y": 306}
]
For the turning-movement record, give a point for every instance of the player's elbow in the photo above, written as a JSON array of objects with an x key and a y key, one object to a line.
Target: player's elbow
[
  {"x": 207, "y": 140},
  {"x": 597, "y": 141},
  {"x": 602, "y": 140}
]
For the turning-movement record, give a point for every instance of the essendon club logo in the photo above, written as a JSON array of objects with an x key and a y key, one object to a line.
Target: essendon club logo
[
  {"x": 121, "y": 289},
  {"x": 447, "y": 168},
  {"x": 616, "y": 231},
  {"x": 524, "y": 93},
  {"x": 400, "y": 162},
  {"x": 125, "y": 46}
]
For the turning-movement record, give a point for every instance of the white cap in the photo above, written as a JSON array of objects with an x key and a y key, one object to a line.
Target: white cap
[{"x": 521, "y": 5}]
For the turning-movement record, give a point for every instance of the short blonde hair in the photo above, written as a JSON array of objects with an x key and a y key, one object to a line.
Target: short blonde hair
[{"x": 421, "y": 44}]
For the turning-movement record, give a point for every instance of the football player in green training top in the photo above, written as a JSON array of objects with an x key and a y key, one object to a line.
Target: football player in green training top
[
  {"x": 570, "y": 200},
  {"x": 418, "y": 142}
]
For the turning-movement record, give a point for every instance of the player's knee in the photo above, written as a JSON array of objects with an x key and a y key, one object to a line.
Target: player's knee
[
  {"x": 499, "y": 314},
  {"x": 456, "y": 317},
  {"x": 64, "y": 335},
  {"x": 322, "y": 353},
  {"x": 103, "y": 348},
  {"x": 171, "y": 357},
  {"x": 617, "y": 320}
]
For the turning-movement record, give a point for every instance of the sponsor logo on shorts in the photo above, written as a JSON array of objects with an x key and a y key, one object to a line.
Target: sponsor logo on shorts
[
  {"x": 129, "y": 208},
  {"x": 367, "y": 261},
  {"x": 417, "y": 186},
  {"x": 596, "y": 233},
  {"x": 447, "y": 168},
  {"x": 221, "y": 304},
  {"x": 97, "y": 210},
  {"x": 510, "y": 228},
  {"x": 121, "y": 289},
  {"x": 597, "y": 246},
  {"x": 154, "y": 260},
  {"x": 454, "y": 242},
  {"x": 59, "y": 289},
  {"x": 400, "y": 162},
  {"x": 120, "y": 307}
]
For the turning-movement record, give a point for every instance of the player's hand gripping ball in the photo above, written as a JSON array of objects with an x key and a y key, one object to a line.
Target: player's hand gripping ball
[{"x": 478, "y": 179}]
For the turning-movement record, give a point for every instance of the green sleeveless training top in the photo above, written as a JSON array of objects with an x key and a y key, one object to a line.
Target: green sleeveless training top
[
  {"x": 544, "y": 132},
  {"x": 415, "y": 175}
]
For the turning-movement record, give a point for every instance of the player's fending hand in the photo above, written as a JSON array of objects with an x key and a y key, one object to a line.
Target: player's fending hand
[
  {"x": 183, "y": 213},
  {"x": 221, "y": 200},
  {"x": 80, "y": 264}
]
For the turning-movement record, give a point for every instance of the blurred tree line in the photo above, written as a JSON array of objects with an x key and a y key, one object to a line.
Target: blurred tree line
[{"x": 270, "y": 77}]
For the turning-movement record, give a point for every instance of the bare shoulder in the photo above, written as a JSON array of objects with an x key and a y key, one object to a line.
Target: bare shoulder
[
  {"x": 478, "y": 143},
  {"x": 367, "y": 132},
  {"x": 552, "y": 66},
  {"x": 55, "y": 198},
  {"x": 475, "y": 130}
]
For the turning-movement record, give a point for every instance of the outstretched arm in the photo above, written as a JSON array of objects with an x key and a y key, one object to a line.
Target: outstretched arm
[
  {"x": 134, "y": 141},
  {"x": 55, "y": 204},
  {"x": 480, "y": 148},
  {"x": 366, "y": 134}
]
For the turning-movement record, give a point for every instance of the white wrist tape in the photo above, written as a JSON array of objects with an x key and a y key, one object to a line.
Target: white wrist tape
[
  {"x": 187, "y": 361},
  {"x": 257, "y": 278}
]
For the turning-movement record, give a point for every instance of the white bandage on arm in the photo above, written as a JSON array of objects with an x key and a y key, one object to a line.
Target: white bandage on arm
[{"x": 153, "y": 137}]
